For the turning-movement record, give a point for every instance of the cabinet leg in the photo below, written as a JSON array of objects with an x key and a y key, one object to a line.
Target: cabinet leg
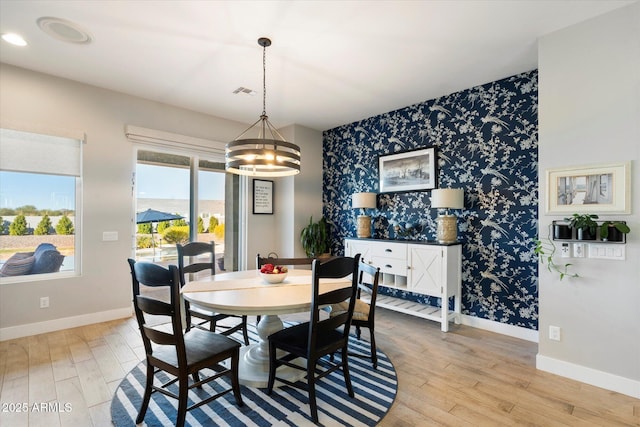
[{"x": 445, "y": 315}]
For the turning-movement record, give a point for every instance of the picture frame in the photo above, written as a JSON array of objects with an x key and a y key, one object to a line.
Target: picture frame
[
  {"x": 604, "y": 189},
  {"x": 262, "y": 197},
  {"x": 414, "y": 170}
]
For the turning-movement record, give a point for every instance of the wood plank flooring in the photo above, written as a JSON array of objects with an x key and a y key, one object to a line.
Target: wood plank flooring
[{"x": 466, "y": 377}]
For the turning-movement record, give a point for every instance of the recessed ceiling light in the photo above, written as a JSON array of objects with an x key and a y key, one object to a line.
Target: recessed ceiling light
[
  {"x": 63, "y": 30},
  {"x": 14, "y": 39}
]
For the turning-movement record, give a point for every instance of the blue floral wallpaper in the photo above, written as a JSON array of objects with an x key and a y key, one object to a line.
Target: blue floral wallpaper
[{"x": 487, "y": 144}]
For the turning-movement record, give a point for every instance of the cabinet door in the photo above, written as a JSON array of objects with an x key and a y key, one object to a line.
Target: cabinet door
[
  {"x": 425, "y": 272},
  {"x": 353, "y": 247}
]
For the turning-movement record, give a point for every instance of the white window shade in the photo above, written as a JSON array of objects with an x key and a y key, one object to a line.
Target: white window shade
[
  {"x": 212, "y": 149},
  {"x": 32, "y": 152}
]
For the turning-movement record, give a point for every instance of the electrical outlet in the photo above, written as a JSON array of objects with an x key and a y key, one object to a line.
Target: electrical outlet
[
  {"x": 565, "y": 251},
  {"x": 44, "y": 302},
  {"x": 554, "y": 333},
  {"x": 578, "y": 250}
]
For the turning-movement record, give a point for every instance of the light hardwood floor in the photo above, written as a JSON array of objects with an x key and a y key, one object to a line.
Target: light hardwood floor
[{"x": 466, "y": 377}]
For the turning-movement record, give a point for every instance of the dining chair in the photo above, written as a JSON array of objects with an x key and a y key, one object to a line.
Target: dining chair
[
  {"x": 260, "y": 261},
  {"x": 179, "y": 354},
  {"x": 321, "y": 336},
  {"x": 364, "y": 311},
  {"x": 191, "y": 251}
]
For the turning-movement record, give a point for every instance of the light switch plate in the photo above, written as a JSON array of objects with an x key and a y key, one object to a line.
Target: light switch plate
[
  {"x": 607, "y": 251},
  {"x": 109, "y": 236}
]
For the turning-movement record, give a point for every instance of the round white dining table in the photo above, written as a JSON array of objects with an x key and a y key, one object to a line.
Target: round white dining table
[{"x": 245, "y": 293}]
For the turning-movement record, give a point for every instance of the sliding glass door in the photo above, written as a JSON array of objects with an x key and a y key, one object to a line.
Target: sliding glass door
[{"x": 191, "y": 199}]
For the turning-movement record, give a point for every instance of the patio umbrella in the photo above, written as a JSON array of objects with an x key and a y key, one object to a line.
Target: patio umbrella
[{"x": 151, "y": 216}]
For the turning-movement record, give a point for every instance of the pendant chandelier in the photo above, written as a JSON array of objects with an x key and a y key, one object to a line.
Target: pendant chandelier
[{"x": 261, "y": 150}]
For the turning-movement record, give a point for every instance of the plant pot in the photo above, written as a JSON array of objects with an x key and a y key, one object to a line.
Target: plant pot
[
  {"x": 561, "y": 232},
  {"x": 614, "y": 235},
  {"x": 221, "y": 263},
  {"x": 585, "y": 234}
]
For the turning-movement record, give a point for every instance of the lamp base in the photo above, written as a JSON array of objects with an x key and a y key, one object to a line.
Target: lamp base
[
  {"x": 447, "y": 229},
  {"x": 363, "y": 229}
]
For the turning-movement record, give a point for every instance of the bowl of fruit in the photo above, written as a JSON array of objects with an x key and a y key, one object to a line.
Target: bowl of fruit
[{"x": 273, "y": 273}]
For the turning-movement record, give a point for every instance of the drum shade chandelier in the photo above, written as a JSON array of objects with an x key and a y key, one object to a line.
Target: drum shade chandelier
[{"x": 266, "y": 153}]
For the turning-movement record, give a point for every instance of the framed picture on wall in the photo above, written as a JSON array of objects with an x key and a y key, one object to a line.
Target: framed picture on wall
[
  {"x": 262, "y": 197},
  {"x": 413, "y": 170},
  {"x": 589, "y": 189}
]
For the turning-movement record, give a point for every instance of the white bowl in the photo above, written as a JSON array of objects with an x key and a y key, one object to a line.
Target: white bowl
[{"x": 273, "y": 278}]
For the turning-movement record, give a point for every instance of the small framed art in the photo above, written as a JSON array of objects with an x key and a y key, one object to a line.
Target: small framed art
[
  {"x": 262, "y": 197},
  {"x": 413, "y": 170}
]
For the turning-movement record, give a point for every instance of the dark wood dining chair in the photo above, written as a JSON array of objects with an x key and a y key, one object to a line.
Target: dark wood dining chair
[
  {"x": 321, "y": 336},
  {"x": 364, "y": 311},
  {"x": 191, "y": 251},
  {"x": 179, "y": 354},
  {"x": 260, "y": 261}
]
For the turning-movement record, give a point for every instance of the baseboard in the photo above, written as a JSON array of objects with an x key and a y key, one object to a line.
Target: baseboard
[
  {"x": 29, "y": 329},
  {"x": 500, "y": 328},
  {"x": 589, "y": 376}
]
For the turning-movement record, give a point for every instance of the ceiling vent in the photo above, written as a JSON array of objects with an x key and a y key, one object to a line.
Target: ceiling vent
[{"x": 244, "y": 90}]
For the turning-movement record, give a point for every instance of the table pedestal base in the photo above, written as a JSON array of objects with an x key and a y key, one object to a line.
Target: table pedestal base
[{"x": 253, "y": 370}]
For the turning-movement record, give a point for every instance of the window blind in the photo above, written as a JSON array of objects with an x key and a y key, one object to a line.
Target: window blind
[
  {"x": 213, "y": 150},
  {"x": 22, "y": 151}
]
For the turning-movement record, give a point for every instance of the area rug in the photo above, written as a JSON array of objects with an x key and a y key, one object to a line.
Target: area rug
[{"x": 375, "y": 391}]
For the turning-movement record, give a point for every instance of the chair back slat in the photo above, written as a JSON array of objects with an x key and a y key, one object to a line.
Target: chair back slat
[
  {"x": 197, "y": 267},
  {"x": 160, "y": 337},
  {"x": 153, "y": 306}
]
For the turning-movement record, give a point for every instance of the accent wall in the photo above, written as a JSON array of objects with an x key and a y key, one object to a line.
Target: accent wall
[{"x": 486, "y": 140}]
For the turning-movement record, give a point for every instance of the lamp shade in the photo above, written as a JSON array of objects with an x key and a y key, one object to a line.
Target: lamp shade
[
  {"x": 363, "y": 200},
  {"x": 447, "y": 198}
]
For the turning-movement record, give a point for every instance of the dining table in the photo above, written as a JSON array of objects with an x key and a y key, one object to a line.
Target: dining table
[{"x": 247, "y": 293}]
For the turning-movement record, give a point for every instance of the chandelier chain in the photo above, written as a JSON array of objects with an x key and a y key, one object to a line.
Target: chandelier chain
[{"x": 264, "y": 80}]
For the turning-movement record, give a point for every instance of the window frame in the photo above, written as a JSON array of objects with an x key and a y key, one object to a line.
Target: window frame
[{"x": 73, "y": 138}]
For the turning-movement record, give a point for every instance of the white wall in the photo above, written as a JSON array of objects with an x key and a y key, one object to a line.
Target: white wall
[
  {"x": 103, "y": 291},
  {"x": 589, "y": 113}
]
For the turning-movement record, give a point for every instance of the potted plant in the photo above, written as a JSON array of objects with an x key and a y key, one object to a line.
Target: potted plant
[
  {"x": 545, "y": 251},
  {"x": 613, "y": 230},
  {"x": 584, "y": 224},
  {"x": 315, "y": 238}
]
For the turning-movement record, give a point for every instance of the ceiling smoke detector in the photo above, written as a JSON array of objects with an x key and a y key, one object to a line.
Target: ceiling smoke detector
[{"x": 63, "y": 30}]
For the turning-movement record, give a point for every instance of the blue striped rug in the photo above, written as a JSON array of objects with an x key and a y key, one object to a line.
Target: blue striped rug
[{"x": 374, "y": 390}]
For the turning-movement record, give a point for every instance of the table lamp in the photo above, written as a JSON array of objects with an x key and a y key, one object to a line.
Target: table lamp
[
  {"x": 363, "y": 201},
  {"x": 447, "y": 198}
]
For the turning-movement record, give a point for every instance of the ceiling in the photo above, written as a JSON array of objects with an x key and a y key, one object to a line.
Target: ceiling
[{"x": 331, "y": 62}]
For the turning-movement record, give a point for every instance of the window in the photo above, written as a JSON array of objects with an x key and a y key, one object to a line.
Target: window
[{"x": 40, "y": 193}]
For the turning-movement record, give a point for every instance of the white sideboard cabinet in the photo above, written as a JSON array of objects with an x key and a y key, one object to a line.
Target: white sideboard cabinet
[{"x": 426, "y": 268}]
